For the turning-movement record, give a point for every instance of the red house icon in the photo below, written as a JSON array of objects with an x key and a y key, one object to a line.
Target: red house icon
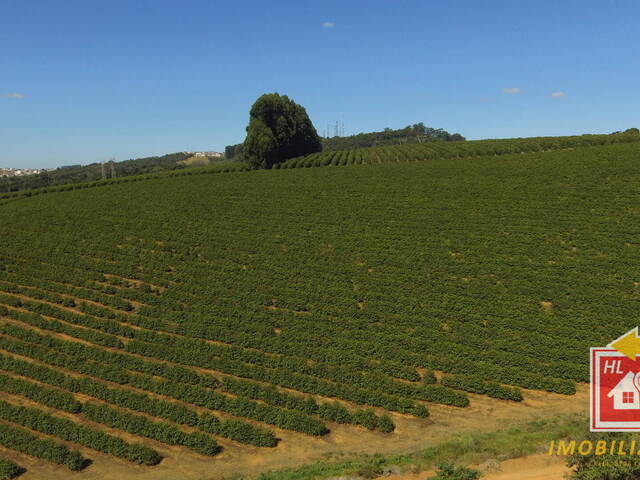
[{"x": 625, "y": 394}]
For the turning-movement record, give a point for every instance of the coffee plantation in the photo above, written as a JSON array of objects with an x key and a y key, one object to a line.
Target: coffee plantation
[{"x": 184, "y": 308}]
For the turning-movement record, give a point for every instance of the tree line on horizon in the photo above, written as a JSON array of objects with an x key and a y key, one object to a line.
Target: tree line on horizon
[
  {"x": 417, "y": 133},
  {"x": 92, "y": 172},
  {"x": 280, "y": 129}
]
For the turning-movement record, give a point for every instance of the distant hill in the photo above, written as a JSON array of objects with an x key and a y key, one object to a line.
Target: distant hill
[
  {"x": 412, "y": 152},
  {"x": 409, "y": 152},
  {"x": 201, "y": 160},
  {"x": 94, "y": 171},
  {"x": 418, "y": 133}
]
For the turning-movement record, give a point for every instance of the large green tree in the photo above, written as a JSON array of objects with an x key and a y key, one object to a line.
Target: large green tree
[{"x": 278, "y": 129}]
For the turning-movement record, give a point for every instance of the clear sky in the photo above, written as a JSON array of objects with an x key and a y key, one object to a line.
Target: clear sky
[{"x": 83, "y": 81}]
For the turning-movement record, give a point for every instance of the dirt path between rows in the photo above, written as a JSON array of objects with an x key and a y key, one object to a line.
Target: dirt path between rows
[{"x": 484, "y": 414}]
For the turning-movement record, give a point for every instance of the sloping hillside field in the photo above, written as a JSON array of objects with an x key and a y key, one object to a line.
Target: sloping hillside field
[{"x": 237, "y": 312}]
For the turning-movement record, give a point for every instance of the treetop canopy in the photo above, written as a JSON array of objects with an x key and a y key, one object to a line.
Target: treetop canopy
[{"x": 278, "y": 129}]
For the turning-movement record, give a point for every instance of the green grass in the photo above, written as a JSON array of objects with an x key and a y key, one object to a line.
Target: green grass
[{"x": 462, "y": 449}]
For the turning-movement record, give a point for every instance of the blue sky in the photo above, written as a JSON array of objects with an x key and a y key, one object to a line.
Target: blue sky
[{"x": 83, "y": 81}]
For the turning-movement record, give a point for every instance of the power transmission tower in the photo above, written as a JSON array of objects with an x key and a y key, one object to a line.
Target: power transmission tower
[
  {"x": 104, "y": 176},
  {"x": 113, "y": 168}
]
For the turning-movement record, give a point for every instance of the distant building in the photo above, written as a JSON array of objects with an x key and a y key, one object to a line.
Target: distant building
[
  {"x": 208, "y": 154},
  {"x": 19, "y": 172}
]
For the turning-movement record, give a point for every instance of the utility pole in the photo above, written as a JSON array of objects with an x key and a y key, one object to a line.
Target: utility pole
[
  {"x": 113, "y": 167},
  {"x": 104, "y": 176}
]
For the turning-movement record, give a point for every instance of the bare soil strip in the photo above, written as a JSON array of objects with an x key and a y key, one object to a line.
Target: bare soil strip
[{"x": 484, "y": 414}]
